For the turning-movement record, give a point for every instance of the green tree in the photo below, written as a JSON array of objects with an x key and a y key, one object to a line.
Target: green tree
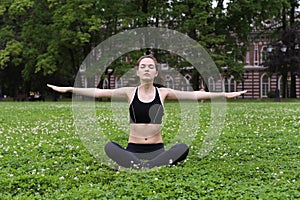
[
  {"x": 285, "y": 31},
  {"x": 265, "y": 16},
  {"x": 46, "y": 40},
  {"x": 13, "y": 15},
  {"x": 49, "y": 39}
]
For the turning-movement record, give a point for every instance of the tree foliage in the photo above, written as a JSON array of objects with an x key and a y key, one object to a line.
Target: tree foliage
[
  {"x": 285, "y": 31},
  {"x": 46, "y": 40}
]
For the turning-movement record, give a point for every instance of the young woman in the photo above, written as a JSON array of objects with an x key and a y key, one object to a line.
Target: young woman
[{"x": 146, "y": 108}]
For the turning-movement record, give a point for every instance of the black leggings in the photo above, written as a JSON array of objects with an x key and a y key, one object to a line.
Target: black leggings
[{"x": 134, "y": 154}]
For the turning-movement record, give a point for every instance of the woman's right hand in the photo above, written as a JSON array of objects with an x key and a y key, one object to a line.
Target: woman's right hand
[{"x": 60, "y": 89}]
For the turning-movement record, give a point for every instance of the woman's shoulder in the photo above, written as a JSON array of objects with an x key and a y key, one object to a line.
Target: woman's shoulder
[
  {"x": 164, "y": 92},
  {"x": 126, "y": 88},
  {"x": 164, "y": 89},
  {"x": 124, "y": 91}
]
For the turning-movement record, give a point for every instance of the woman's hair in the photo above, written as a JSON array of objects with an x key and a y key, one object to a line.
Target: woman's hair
[{"x": 147, "y": 56}]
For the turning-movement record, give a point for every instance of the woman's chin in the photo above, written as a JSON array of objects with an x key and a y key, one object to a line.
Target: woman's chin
[{"x": 147, "y": 80}]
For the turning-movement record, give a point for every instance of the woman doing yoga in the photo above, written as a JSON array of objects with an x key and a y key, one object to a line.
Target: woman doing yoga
[{"x": 146, "y": 108}]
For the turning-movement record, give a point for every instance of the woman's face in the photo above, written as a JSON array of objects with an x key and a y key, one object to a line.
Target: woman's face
[{"x": 147, "y": 70}]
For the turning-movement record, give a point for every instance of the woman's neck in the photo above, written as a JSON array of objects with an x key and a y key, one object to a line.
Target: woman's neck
[{"x": 146, "y": 87}]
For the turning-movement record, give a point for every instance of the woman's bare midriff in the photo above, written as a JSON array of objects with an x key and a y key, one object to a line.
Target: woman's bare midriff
[{"x": 145, "y": 134}]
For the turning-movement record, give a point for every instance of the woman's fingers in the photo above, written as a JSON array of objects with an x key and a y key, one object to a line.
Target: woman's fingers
[{"x": 58, "y": 89}]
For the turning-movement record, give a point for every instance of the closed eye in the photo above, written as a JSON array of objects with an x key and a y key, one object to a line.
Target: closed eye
[{"x": 151, "y": 66}]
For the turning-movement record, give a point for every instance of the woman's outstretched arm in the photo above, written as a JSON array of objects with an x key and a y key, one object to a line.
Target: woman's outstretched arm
[
  {"x": 94, "y": 92},
  {"x": 198, "y": 95},
  {"x": 211, "y": 95}
]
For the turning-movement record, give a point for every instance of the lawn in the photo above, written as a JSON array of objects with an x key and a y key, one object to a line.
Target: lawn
[{"x": 257, "y": 155}]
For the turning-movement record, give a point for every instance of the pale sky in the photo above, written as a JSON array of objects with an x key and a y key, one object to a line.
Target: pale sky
[{"x": 225, "y": 3}]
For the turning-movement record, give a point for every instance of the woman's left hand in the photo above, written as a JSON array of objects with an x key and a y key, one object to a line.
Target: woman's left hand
[{"x": 234, "y": 94}]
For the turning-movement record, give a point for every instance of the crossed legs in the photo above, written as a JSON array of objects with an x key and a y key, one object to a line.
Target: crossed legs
[{"x": 129, "y": 159}]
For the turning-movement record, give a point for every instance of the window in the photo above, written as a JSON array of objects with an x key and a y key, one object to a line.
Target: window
[
  {"x": 187, "y": 86},
  {"x": 232, "y": 85},
  {"x": 82, "y": 68},
  {"x": 248, "y": 57},
  {"x": 164, "y": 66},
  {"x": 263, "y": 55},
  {"x": 256, "y": 54},
  {"x": 187, "y": 78},
  {"x": 226, "y": 85},
  {"x": 211, "y": 84},
  {"x": 229, "y": 84},
  {"x": 280, "y": 85},
  {"x": 265, "y": 85},
  {"x": 105, "y": 84},
  {"x": 169, "y": 82},
  {"x": 119, "y": 83}
]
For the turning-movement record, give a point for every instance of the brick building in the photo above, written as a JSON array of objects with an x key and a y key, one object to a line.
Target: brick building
[{"x": 256, "y": 80}]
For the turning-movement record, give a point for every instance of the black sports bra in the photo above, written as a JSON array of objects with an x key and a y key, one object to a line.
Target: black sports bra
[{"x": 146, "y": 112}]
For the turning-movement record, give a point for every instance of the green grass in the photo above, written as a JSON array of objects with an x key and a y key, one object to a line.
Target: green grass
[{"x": 256, "y": 156}]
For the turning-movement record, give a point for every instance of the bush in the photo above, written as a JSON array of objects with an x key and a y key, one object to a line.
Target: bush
[{"x": 272, "y": 94}]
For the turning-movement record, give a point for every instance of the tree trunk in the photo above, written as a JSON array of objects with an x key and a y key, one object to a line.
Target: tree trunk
[
  {"x": 195, "y": 79},
  {"x": 145, "y": 10},
  {"x": 284, "y": 85},
  {"x": 293, "y": 86}
]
